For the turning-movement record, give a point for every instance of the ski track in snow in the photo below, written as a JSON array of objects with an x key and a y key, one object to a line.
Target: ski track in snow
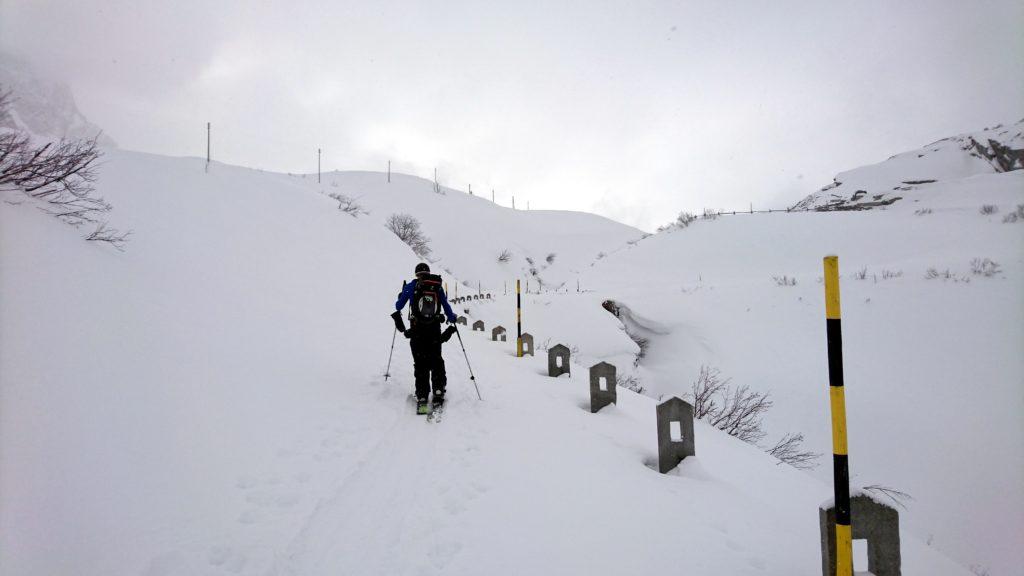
[{"x": 395, "y": 498}]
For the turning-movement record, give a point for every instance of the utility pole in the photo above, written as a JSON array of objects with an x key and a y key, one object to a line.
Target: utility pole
[
  {"x": 492, "y": 195},
  {"x": 389, "y": 171},
  {"x": 317, "y": 165},
  {"x": 513, "y": 202},
  {"x": 207, "y": 146},
  {"x": 470, "y": 189}
]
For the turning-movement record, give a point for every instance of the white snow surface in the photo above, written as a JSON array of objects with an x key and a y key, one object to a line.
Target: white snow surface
[
  {"x": 212, "y": 400},
  {"x": 934, "y": 370}
]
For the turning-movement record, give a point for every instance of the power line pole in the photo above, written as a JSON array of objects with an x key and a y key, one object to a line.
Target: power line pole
[
  {"x": 513, "y": 202},
  {"x": 207, "y": 146},
  {"x": 317, "y": 165},
  {"x": 389, "y": 171},
  {"x": 470, "y": 189},
  {"x": 492, "y": 195}
]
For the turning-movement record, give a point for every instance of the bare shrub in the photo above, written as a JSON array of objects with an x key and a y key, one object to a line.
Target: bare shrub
[
  {"x": 861, "y": 274},
  {"x": 408, "y": 230},
  {"x": 59, "y": 175},
  {"x": 685, "y": 219},
  {"x": 789, "y": 450},
  {"x": 550, "y": 258},
  {"x": 898, "y": 497},
  {"x": 890, "y": 274},
  {"x": 737, "y": 411},
  {"x": 629, "y": 382},
  {"x": 933, "y": 273},
  {"x": 984, "y": 267},
  {"x": 922, "y": 211},
  {"x": 348, "y": 205},
  {"x": 601, "y": 255},
  {"x": 505, "y": 255},
  {"x": 1014, "y": 216},
  {"x": 784, "y": 281},
  {"x": 112, "y": 236},
  {"x": 710, "y": 214},
  {"x": 988, "y": 209}
]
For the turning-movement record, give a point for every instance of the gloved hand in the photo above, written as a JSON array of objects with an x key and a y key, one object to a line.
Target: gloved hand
[
  {"x": 407, "y": 333},
  {"x": 447, "y": 334},
  {"x": 399, "y": 323},
  {"x": 452, "y": 319}
]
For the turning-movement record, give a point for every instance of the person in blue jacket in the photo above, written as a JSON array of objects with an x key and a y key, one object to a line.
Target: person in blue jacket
[{"x": 429, "y": 308}]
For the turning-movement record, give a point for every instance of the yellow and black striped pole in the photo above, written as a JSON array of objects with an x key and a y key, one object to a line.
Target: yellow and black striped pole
[
  {"x": 519, "y": 323},
  {"x": 837, "y": 396}
]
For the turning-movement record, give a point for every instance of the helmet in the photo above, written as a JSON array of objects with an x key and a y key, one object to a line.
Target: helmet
[{"x": 422, "y": 268}]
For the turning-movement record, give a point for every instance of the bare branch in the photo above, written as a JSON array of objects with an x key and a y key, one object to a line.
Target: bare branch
[
  {"x": 112, "y": 236},
  {"x": 789, "y": 450},
  {"x": 898, "y": 497}
]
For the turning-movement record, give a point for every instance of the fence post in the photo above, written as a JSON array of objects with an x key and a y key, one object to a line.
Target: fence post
[
  {"x": 837, "y": 396},
  {"x": 519, "y": 323}
]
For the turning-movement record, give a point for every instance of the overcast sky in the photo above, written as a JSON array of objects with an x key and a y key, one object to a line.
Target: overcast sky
[{"x": 635, "y": 110}]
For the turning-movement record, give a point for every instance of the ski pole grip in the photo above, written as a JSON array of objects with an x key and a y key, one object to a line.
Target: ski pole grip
[{"x": 399, "y": 323}]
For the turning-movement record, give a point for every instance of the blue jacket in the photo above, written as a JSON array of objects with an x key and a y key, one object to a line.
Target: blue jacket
[{"x": 408, "y": 291}]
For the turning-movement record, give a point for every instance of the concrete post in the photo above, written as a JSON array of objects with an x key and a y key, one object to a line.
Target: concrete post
[
  {"x": 527, "y": 344},
  {"x": 498, "y": 333},
  {"x": 870, "y": 520},
  {"x": 461, "y": 320},
  {"x": 478, "y": 326},
  {"x": 558, "y": 360},
  {"x": 602, "y": 386},
  {"x": 675, "y": 433}
]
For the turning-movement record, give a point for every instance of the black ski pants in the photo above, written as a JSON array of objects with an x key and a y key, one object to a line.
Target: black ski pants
[{"x": 428, "y": 365}]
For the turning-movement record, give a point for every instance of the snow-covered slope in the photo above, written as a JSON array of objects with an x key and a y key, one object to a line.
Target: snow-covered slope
[
  {"x": 44, "y": 108},
  {"x": 211, "y": 401},
  {"x": 916, "y": 174},
  {"x": 934, "y": 369},
  {"x": 469, "y": 233}
]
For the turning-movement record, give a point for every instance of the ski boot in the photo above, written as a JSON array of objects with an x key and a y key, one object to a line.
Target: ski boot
[{"x": 422, "y": 407}]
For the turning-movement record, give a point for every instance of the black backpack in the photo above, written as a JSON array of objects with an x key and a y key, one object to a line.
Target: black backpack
[{"x": 426, "y": 299}]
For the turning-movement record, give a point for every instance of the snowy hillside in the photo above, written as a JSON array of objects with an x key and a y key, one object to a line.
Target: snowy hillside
[
  {"x": 44, "y": 108},
  {"x": 932, "y": 336},
  {"x": 211, "y": 401},
  {"x": 915, "y": 175},
  {"x": 469, "y": 233}
]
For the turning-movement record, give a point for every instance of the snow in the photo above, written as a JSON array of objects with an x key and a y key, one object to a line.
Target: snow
[
  {"x": 933, "y": 367},
  {"x": 211, "y": 400}
]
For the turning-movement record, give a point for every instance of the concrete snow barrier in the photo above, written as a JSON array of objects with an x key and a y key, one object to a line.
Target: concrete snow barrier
[
  {"x": 498, "y": 333},
  {"x": 602, "y": 386},
  {"x": 478, "y": 326},
  {"x": 461, "y": 320},
  {"x": 675, "y": 433},
  {"x": 527, "y": 339},
  {"x": 558, "y": 360},
  {"x": 870, "y": 520}
]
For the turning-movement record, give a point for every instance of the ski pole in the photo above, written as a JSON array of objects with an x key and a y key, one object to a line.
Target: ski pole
[
  {"x": 387, "y": 372},
  {"x": 471, "y": 376}
]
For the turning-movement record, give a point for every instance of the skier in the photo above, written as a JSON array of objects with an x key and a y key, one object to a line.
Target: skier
[{"x": 426, "y": 297}]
